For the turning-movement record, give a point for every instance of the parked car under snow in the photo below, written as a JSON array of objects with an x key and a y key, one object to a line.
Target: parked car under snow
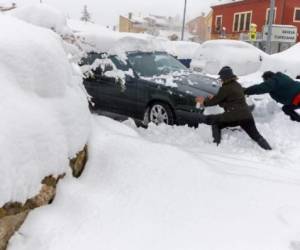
[
  {"x": 148, "y": 86},
  {"x": 128, "y": 75},
  {"x": 242, "y": 57}
]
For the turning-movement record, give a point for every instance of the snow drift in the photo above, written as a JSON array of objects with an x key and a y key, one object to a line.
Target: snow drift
[
  {"x": 241, "y": 56},
  {"x": 169, "y": 188},
  {"x": 43, "y": 15},
  {"x": 287, "y": 61},
  {"x": 44, "y": 112}
]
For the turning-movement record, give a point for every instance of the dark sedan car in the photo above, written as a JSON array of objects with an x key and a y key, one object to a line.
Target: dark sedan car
[{"x": 147, "y": 86}]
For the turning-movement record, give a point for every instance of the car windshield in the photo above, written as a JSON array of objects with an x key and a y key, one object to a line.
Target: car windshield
[{"x": 154, "y": 64}]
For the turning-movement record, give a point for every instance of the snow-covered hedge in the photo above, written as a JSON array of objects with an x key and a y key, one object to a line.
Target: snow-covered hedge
[{"x": 44, "y": 112}]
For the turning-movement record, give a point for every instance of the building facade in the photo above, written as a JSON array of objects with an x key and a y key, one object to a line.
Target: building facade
[
  {"x": 151, "y": 24},
  {"x": 200, "y": 27},
  {"x": 233, "y": 18},
  {"x": 126, "y": 24}
]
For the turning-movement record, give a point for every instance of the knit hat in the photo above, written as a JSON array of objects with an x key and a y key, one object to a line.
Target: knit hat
[
  {"x": 267, "y": 75},
  {"x": 226, "y": 74}
]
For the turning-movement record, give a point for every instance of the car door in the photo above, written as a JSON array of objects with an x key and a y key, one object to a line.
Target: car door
[
  {"x": 127, "y": 98},
  {"x": 104, "y": 92},
  {"x": 112, "y": 89}
]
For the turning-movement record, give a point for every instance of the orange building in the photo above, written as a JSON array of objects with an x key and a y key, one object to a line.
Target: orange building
[{"x": 200, "y": 27}]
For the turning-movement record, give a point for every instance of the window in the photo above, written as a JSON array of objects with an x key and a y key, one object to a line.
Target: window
[
  {"x": 268, "y": 15},
  {"x": 219, "y": 23},
  {"x": 297, "y": 15},
  {"x": 242, "y": 21}
]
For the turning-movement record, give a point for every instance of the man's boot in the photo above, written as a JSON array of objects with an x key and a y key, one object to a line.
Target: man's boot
[
  {"x": 216, "y": 133},
  {"x": 263, "y": 143}
]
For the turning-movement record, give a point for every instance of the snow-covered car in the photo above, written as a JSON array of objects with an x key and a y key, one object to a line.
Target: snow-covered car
[
  {"x": 242, "y": 57},
  {"x": 133, "y": 75},
  {"x": 147, "y": 86}
]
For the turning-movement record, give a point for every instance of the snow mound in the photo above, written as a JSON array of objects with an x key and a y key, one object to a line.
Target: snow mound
[
  {"x": 287, "y": 61},
  {"x": 45, "y": 117},
  {"x": 182, "y": 49},
  {"x": 79, "y": 26},
  {"x": 241, "y": 56},
  {"x": 43, "y": 15}
]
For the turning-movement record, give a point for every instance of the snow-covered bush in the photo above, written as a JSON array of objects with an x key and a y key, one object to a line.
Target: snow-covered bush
[
  {"x": 241, "y": 56},
  {"x": 44, "y": 112}
]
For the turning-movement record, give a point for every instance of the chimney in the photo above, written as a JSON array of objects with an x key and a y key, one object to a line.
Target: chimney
[{"x": 130, "y": 15}]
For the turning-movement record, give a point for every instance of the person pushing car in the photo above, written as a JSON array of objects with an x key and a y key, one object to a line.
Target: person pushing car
[
  {"x": 237, "y": 113},
  {"x": 282, "y": 89}
]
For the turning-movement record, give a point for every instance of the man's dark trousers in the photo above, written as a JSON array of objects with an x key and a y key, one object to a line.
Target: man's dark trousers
[{"x": 247, "y": 125}]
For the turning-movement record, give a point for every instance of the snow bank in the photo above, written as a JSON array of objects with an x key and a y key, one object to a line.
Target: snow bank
[
  {"x": 43, "y": 15},
  {"x": 241, "y": 56},
  {"x": 287, "y": 61},
  {"x": 192, "y": 196},
  {"x": 44, "y": 112}
]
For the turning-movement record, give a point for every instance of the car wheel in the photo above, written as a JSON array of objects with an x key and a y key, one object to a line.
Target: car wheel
[{"x": 160, "y": 113}]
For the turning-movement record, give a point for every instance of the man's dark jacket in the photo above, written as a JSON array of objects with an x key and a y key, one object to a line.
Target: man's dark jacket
[
  {"x": 231, "y": 98},
  {"x": 281, "y": 87}
]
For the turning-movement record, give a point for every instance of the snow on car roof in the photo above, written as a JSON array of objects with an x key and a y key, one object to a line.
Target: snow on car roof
[
  {"x": 227, "y": 42},
  {"x": 100, "y": 39}
]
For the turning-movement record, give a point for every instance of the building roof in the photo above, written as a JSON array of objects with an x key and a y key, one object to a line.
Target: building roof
[
  {"x": 226, "y": 2},
  {"x": 163, "y": 21}
]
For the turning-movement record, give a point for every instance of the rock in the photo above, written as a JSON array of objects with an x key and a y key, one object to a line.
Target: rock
[
  {"x": 9, "y": 225},
  {"x": 13, "y": 214},
  {"x": 78, "y": 163}
]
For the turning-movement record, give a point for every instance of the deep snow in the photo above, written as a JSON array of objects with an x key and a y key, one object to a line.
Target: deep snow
[
  {"x": 44, "y": 112},
  {"x": 171, "y": 188}
]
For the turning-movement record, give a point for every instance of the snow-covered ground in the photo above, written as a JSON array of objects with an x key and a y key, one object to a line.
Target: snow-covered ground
[{"x": 171, "y": 188}]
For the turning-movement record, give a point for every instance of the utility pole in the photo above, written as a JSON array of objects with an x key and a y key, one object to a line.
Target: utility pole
[
  {"x": 183, "y": 22},
  {"x": 270, "y": 25}
]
